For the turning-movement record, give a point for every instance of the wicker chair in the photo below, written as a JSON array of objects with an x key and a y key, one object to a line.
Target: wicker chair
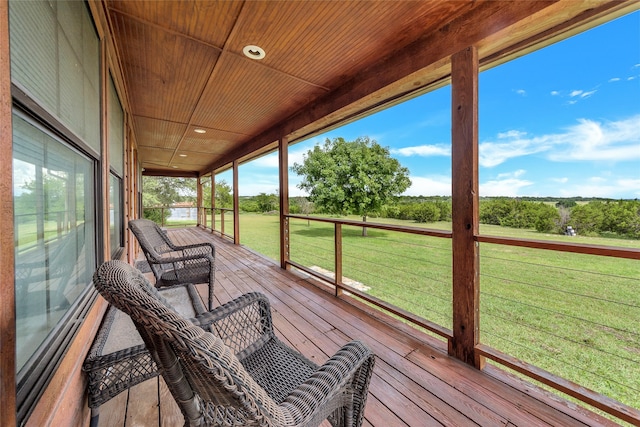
[
  {"x": 172, "y": 264},
  {"x": 118, "y": 358},
  {"x": 241, "y": 374}
]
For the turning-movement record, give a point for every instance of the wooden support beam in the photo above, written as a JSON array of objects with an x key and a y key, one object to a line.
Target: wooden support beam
[
  {"x": 283, "y": 160},
  {"x": 464, "y": 160},
  {"x": 213, "y": 201},
  {"x": 199, "y": 212},
  {"x": 236, "y": 205},
  {"x": 7, "y": 290}
]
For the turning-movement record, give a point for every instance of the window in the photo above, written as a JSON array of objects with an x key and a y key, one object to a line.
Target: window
[
  {"x": 115, "y": 214},
  {"x": 55, "y": 58},
  {"x": 116, "y": 131},
  {"x": 55, "y": 256},
  {"x": 116, "y": 161},
  {"x": 55, "y": 76}
]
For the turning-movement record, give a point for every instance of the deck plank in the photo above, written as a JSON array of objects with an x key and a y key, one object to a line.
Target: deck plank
[
  {"x": 415, "y": 382},
  {"x": 142, "y": 408}
]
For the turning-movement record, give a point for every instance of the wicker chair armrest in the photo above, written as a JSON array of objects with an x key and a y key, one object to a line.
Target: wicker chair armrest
[
  {"x": 173, "y": 259},
  {"x": 204, "y": 247},
  {"x": 349, "y": 369},
  {"x": 95, "y": 362},
  {"x": 242, "y": 323}
]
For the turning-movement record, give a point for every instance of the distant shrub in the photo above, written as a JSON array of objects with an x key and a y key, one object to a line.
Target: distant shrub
[{"x": 156, "y": 214}]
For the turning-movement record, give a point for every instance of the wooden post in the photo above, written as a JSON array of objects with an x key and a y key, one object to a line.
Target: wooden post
[
  {"x": 283, "y": 159},
  {"x": 236, "y": 205},
  {"x": 464, "y": 159},
  {"x": 213, "y": 201},
  {"x": 7, "y": 289},
  {"x": 199, "y": 207}
]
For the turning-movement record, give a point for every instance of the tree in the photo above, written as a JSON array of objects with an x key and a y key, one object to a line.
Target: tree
[
  {"x": 588, "y": 219},
  {"x": 165, "y": 191},
  {"x": 162, "y": 192},
  {"x": 356, "y": 177},
  {"x": 266, "y": 202},
  {"x": 224, "y": 198}
]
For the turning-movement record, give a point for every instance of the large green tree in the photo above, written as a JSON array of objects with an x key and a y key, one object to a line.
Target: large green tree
[
  {"x": 356, "y": 177},
  {"x": 224, "y": 195},
  {"x": 165, "y": 191},
  {"x": 162, "y": 192}
]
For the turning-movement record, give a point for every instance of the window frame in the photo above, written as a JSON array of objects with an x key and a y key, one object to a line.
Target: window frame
[
  {"x": 116, "y": 253},
  {"x": 39, "y": 369}
]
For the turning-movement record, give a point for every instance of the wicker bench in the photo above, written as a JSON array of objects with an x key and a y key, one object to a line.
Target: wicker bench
[{"x": 118, "y": 358}]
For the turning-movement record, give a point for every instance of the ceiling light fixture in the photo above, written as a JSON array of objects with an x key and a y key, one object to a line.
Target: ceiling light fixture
[
  {"x": 198, "y": 130},
  {"x": 253, "y": 52},
  {"x": 182, "y": 155}
]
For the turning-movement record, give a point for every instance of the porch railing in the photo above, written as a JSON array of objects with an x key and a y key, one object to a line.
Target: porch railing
[
  {"x": 327, "y": 240},
  {"x": 540, "y": 300},
  {"x": 559, "y": 313},
  {"x": 218, "y": 220}
]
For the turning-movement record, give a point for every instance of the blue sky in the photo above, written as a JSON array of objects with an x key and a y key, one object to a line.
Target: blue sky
[{"x": 563, "y": 121}]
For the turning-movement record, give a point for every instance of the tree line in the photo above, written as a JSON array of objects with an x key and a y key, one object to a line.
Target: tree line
[
  {"x": 361, "y": 178},
  {"x": 599, "y": 217}
]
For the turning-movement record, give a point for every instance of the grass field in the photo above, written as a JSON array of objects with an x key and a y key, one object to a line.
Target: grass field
[{"x": 577, "y": 316}]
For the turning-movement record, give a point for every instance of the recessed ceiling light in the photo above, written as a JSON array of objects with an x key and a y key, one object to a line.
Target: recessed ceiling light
[
  {"x": 253, "y": 52},
  {"x": 175, "y": 167},
  {"x": 182, "y": 155},
  {"x": 198, "y": 130}
]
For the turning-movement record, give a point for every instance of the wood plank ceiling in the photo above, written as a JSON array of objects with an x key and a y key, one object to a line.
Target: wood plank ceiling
[{"x": 326, "y": 61}]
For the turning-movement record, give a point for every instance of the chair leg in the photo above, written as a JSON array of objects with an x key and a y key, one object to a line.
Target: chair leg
[{"x": 95, "y": 415}]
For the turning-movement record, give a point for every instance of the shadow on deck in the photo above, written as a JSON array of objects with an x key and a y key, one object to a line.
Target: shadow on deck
[{"x": 414, "y": 383}]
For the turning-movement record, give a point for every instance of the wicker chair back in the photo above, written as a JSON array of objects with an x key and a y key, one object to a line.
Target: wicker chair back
[{"x": 174, "y": 264}]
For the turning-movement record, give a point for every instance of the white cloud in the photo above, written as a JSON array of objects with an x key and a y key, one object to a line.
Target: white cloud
[
  {"x": 438, "y": 185},
  {"x": 562, "y": 180},
  {"x": 578, "y": 94},
  {"x": 271, "y": 160},
  {"x": 268, "y": 161},
  {"x": 591, "y": 140},
  {"x": 515, "y": 174},
  {"x": 599, "y": 187},
  {"x": 631, "y": 78},
  {"x": 555, "y": 93},
  {"x": 614, "y": 79},
  {"x": 587, "y": 140},
  {"x": 511, "y": 134},
  {"x": 506, "y": 184},
  {"x": 596, "y": 179},
  {"x": 424, "y": 150},
  {"x": 521, "y": 92},
  {"x": 630, "y": 185},
  {"x": 510, "y": 144},
  {"x": 257, "y": 183}
]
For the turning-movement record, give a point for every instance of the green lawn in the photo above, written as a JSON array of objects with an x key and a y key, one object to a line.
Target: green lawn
[{"x": 577, "y": 316}]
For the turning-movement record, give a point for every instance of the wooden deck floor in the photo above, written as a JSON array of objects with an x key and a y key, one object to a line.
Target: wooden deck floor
[{"x": 415, "y": 383}]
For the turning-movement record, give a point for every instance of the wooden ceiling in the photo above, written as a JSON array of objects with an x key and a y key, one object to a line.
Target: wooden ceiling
[{"x": 326, "y": 62}]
